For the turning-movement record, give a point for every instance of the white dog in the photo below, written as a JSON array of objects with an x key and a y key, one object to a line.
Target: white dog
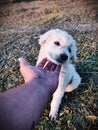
[{"x": 60, "y": 48}]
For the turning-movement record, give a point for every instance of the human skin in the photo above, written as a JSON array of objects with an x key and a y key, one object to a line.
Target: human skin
[{"x": 21, "y": 106}]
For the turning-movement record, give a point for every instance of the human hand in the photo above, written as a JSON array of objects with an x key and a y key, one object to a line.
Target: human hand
[{"x": 46, "y": 73}]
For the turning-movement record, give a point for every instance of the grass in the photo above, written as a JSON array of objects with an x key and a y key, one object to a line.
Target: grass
[{"x": 19, "y": 34}]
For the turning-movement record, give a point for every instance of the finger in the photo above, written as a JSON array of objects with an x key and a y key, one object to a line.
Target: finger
[
  {"x": 22, "y": 61},
  {"x": 42, "y": 63},
  {"x": 53, "y": 67},
  {"x": 48, "y": 66},
  {"x": 57, "y": 70}
]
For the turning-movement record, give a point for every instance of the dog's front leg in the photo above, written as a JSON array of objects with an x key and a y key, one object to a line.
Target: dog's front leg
[
  {"x": 56, "y": 101},
  {"x": 64, "y": 79}
]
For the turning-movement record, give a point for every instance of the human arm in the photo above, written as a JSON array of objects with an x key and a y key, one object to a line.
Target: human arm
[{"x": 21, "y": 107}]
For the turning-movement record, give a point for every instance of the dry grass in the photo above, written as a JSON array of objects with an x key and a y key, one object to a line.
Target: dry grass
[{"x": 20, "y": 26}]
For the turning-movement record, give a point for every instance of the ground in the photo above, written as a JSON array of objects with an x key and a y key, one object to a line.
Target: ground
[{"x": 20, "y": 26}]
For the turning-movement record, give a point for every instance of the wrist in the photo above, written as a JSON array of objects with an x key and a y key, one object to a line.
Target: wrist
[
  {"x": 39, "y": 94},
  {"x": 36, "y": 84}
]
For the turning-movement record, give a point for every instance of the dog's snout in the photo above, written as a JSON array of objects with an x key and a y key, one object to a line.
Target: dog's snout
[{"x": 63, "y": 57}]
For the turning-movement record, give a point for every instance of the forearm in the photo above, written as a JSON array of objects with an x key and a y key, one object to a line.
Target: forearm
[{"x": 22, "y": 106}]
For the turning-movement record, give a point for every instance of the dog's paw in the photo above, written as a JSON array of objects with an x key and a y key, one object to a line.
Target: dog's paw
[{"x": 53, "y": 116}]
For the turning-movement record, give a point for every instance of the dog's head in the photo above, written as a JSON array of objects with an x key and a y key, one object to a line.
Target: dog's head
[{"x": 58, "y": 46}]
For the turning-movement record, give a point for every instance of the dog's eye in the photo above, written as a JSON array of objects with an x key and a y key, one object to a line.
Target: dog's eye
[
  {"x": 69, "y": 49},
  {"x": 57, "y": 43}
]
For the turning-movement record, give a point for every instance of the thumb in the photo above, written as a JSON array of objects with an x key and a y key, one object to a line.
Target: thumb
[
  {"x": 23, "y": 68},
  {"x": 22, "y": 61}
]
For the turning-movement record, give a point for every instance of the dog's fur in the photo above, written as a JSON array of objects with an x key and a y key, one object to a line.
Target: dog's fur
[{"x": 60, "y": 48}]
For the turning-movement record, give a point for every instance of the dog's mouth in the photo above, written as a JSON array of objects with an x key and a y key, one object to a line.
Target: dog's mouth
[
  {"x": 57, "y": 61},
  {"x": 60, "y": 61}
]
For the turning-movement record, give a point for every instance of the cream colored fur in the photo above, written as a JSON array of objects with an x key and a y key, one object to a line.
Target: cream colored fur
[{"x": 54, "y": 44}]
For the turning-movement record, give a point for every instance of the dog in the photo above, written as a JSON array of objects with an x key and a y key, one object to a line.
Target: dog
[{"x": 60, "y": 48}]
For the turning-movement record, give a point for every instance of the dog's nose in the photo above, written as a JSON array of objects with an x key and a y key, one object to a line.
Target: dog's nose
[{"x": 63, "y": 57}]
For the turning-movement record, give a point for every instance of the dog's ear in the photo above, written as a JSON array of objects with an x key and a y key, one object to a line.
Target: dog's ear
[
  {"x": 44, "y": 37},
  {"x": 73, "y": 50}
]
